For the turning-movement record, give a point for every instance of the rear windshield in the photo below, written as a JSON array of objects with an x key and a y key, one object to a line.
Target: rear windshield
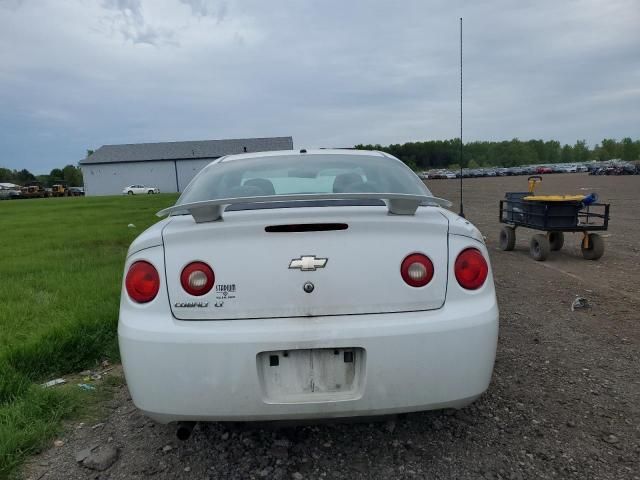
[{"x": 299, "y": 174}]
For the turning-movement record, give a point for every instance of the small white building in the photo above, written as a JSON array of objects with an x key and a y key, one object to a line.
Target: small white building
[{"x": 170, "y": 166}]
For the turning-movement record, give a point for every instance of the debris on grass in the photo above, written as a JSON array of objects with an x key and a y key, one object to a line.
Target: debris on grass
[
  {"x": 52, "y": 383},
  {"x": 131, "y": 225},
  {"x": 93, "y": 375},
  {"x": 86, "y": 387}
]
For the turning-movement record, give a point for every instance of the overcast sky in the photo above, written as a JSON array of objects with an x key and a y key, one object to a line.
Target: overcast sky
[{"x": 78, "y": 74}]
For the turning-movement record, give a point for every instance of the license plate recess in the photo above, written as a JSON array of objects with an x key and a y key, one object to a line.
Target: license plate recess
[{"x": 311, "y": 375}]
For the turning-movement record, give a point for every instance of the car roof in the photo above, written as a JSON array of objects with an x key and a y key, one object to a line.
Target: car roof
[{"x": 303, "y": 152}]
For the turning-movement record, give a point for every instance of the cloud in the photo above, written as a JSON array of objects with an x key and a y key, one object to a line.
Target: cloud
[
  {"x": 11, "y": 4},
  {"x": 129, "y": 8},
  {"x": 129, "y": 21},
  {"x": 51, "y": 115},
  {"x": 204, "y": 8},
  {"x": 329, "y": 73}
]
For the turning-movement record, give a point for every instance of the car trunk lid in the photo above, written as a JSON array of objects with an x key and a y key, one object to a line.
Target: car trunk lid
[{"x": 262, "y": 260}]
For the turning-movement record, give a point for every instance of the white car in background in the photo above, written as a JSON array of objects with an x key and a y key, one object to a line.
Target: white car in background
[
  {"x": 311, "y": 284},
  {"x": 10, "y": 194},
  {"x": 140, "y": 189}
]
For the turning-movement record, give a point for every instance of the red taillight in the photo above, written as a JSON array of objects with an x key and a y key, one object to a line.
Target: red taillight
[
  {"x": 416, "y": 270},
  {"x": 142, "y": 282},
  {"x": 471, "y": 269},
  {"x": 197, "y": 278}
]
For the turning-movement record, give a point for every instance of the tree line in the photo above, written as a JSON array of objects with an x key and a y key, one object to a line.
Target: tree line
[
  {"x": 70, "y": 174},
  {"x": 508, "y": 153},
  {"x": 428, "y": 154}
]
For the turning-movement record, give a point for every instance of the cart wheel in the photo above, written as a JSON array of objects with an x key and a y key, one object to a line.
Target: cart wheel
[
  {"x": 596, "y": 247},
  {"x": 556, "y": 240},
  {"x": 539, "y": 247},
  {"x": 507, "y": 238}
]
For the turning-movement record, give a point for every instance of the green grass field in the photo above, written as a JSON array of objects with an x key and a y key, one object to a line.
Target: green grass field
[{"x": 61, "y": 264}]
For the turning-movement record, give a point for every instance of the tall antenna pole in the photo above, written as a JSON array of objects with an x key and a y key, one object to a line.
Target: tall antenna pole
[{"x": 461, "y": 213}]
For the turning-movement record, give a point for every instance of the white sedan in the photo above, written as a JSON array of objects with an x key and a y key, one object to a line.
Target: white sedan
[
  {"x": 140, "y": 189},
  {"x": 311, "y": 284}
]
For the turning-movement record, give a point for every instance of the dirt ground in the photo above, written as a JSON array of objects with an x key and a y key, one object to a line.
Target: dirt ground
[{"x": 564, "y": 401}]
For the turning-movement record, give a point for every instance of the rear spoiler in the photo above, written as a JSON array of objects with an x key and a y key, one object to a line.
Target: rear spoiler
[{"x": 397, "y": 203}]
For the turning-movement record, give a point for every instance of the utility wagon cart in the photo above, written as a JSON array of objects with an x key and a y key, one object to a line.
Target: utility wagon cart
[{"x": 553, "y": 214}]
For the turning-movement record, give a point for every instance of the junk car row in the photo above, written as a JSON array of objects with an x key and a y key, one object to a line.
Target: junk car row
[{"x": 37, "y": 190}]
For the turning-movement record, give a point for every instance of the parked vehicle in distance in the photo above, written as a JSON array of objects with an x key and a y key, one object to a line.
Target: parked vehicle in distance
[
  {"x": 616, "y": 169},
  {"x": 76, "y": 191},
  {"x": 34, "y": 190},
  {"x": 520, "y": 170},
  {"x": 140, "y": 189},
  {"x": 565, "y": 168},
  {"x": 60, "y": 190},
  {"x": 10, "y": 194},
  {"x": 269, "y": 314},
  {"x": 437, "y": 174}
]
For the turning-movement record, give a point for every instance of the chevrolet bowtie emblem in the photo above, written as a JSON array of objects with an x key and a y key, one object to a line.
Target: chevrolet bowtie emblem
[{"x": 308, "y": 263}]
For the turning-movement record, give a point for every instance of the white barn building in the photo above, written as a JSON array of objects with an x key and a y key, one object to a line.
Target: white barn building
[{"x": 170, "y": 166}]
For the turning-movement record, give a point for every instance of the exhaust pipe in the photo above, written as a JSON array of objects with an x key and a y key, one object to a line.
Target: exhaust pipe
[{"x": 184, "y": 430}]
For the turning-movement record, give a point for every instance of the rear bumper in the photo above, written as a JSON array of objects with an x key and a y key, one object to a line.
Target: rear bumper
[{"x": 207, "y": 370}]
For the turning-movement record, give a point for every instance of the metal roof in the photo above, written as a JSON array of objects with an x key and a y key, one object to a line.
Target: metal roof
[{"x": 148, "y": 152}]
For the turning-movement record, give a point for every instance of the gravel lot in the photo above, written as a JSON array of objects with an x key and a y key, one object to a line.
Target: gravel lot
[{"x": 564, "y": 401}]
